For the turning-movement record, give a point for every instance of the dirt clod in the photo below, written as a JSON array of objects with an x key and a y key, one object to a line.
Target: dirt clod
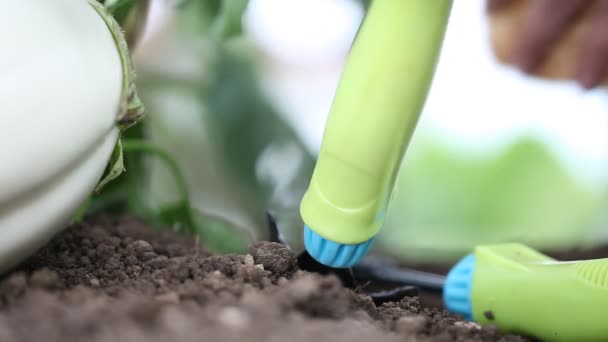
[
  {"x": 275, "y": 257},
  {"x": 142, "y": 247},
  {"x": 110, "y": 279}
]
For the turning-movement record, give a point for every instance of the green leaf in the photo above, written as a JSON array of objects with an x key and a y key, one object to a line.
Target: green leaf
[
  {"x": 259, "y": 150},
  {"x": 120, "y": 9},
  {"x": 228, "y": 23},
  {"x": 131, "y": 108},
  {"x": 127, "y": 193},
  {"x": 114, "y": 169},
  {"x": 245, "y": 129},
  {"x": 217, "y": 19}
]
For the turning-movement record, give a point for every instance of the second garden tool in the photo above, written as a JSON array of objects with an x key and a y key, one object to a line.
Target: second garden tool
[{"x": 521, "y": 290}]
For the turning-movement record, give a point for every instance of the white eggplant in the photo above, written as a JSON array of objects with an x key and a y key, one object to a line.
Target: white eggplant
[{"x": 61, "y": 91}]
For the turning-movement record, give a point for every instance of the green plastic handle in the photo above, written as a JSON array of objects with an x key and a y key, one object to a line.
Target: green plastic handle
[
  {"x": 375, "y": 110},
  {"x": 521, "y": 290}
]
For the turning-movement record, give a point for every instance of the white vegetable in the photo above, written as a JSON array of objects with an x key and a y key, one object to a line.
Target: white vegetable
[{"x": 60, "y": 89}]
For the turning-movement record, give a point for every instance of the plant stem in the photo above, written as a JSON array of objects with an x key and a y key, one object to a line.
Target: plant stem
[{"x": 136, "y": 145}]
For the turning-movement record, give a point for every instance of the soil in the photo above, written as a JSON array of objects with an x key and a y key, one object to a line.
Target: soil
[{"x": 116, "y": 279}]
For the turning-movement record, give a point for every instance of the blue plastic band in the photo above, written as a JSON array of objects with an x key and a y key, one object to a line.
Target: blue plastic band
[
  {"x": 458, "y": 286},
  {"x": 334, "y": 254}
]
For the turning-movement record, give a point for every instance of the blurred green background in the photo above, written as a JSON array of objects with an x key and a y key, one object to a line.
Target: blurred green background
[{"x": 215, "y": 152}]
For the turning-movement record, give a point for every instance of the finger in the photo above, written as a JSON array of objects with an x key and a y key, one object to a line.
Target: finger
[
  {"x": 493, "y": 6},
  {"x": 592, "y": 65},
  {"x": 545, "y": 22}
]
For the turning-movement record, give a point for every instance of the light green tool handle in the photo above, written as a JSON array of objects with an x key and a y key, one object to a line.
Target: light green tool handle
[
  {"x": 375, "y": 110},
  {"x": 521, "y": 290}
]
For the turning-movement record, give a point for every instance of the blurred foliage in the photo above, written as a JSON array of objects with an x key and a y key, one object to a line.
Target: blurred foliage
[
  {"x": 449, "y": 201},
  {"x": 120, "y": 9},
  {"x": 197, "y": 160},
  {"x": 246, "y": 126},
  {"x": 130, "y": 14},
  {"x": 216, "y": 19}
]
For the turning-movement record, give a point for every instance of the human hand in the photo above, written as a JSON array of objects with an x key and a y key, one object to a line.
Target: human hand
[{"x": 545, "y": 23}]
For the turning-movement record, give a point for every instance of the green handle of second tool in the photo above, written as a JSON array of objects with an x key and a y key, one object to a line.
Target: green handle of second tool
[
  {"x": 520, "y": 290},
  {"x": 375, "y": 110}
]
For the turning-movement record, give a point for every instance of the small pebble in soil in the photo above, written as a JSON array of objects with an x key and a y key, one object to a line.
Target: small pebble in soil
[
  {"x": 275, "y": 257},
  {"x": 141, "y": 247}
]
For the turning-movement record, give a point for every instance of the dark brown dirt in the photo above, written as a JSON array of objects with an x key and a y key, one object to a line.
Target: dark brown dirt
[{"x": 113, "y": 279}]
